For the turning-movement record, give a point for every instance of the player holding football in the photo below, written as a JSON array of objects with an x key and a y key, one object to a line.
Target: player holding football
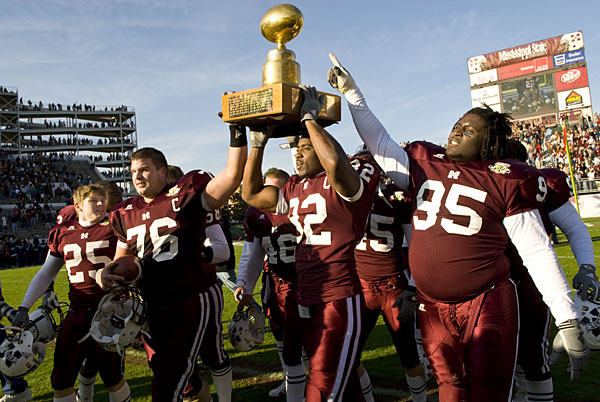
[
  {"x": 275, "y": 236},
  {"x": 532, "y": 374},
  {"x": 164, "y": 226},
  {"x": 328, "y": 201},
  {"x": 84, "y": 246},
  {"x": 468, "y": 206}
]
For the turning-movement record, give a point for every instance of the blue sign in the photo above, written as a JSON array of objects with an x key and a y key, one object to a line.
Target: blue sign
[{"x": 568, "y": 58}]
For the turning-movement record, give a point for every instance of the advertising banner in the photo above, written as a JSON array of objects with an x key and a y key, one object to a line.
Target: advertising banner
[
  {"x": 574, "y": 99},
  {"x": 526, "y": 67},
  {"x": 569, "y": 58},
  {"x": 547, "y": 47},
  {"x": 571, "y": 79},
  {"x": 484, "y": 77},
  {"x": 529, "y": 95},
  {"x": 488, "y": 95}
]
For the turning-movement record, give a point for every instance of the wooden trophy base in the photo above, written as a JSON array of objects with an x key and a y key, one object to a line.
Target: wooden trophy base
[{"x": 278, "y": 104}]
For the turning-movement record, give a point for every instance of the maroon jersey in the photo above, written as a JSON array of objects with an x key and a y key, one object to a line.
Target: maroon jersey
[
  {"x": 328, "y": 229},
  {"x": 277, "y": 236},
  {"x": 66, "y": 214},
  {"x": 379, "y": 253},
  {"x": 168, "y": 234},
  {"x": 458, "y": 242},
  {"x": 213, "y": 217},
  {"x": 84, "y": 250}
]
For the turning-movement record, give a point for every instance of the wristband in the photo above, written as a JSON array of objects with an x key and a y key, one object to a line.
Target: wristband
[{"x": 238, "y": 136}]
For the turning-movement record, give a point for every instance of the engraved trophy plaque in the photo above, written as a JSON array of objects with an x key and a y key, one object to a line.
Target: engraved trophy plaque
[{"x": 279, "y": 99}]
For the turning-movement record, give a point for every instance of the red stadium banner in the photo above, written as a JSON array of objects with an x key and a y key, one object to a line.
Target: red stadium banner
[
  {"x": 571, "y": 79},
  {"x": 526, "y": 67},
  {"x": 547, "y": 47}
]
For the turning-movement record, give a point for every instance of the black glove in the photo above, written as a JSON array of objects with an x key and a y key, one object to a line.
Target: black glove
[
  {"x": 570, "y": 339},
  {"x": 585, "y": 282},
  {"x": 237, "y": 136},
  {"x": 406, "y": 303},
  {"x": 22, "y": 317}
]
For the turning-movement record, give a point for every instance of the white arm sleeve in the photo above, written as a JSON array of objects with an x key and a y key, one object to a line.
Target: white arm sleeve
[
  {"x": 250, "y": 266},
  {"x": 42, "y": 280},
  {"x": 282, "y": 205},
  {"x": 387, "y": 153},
  {"x": 407, "y": 229},
  {"x": 215, "y": 239},
  {"x": 580, "y": 241},
  {"x": 527, "y": 233}
]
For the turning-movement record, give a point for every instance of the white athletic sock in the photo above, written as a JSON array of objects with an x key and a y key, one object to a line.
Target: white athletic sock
[
  {"x": 366, "y": 387},
  {"x": 294, "y": 383},
  {"x": 520, "y": 378},
  {"x": 68, "y": 398},
  {"x": 541, "y": 391},
  {"x": 222, "y": 380},
  {"x": 280, "y": 353},
  {"x": 123, "y": 394},
  {"x": 85, "y": 392},
  {"x": 418, "y": 387}
]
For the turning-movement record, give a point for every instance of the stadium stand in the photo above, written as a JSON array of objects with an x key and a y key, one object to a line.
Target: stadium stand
[{"x": 46, "y": 151}]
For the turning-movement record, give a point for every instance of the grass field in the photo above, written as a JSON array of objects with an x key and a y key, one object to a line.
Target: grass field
[{"x": 258, "y": 371}]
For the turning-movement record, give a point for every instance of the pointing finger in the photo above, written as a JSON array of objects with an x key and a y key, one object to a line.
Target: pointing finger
[{"x": 334, "y": 60}]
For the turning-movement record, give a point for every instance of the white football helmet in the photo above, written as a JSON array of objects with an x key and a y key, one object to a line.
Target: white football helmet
[
  {"x": 247, "y": 329},
  {"x": 119, "y": 319},
  {"x": 590, "y": 321},
  {"x": 19, "y": 354}
]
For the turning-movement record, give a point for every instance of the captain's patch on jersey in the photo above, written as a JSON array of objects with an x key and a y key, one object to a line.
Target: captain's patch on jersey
[
  {"x": 174, "y": 191},
  {"x": 500, "y": 167}
]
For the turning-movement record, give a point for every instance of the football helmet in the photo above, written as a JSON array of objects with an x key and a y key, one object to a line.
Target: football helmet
[
  {"x": 19, "y": 354},
  {"x": 590, "y": 321},
  {"x": 119, "y": 319},
  {"x": 247, "y": 329},
  {"x": 362, "y": 150}
]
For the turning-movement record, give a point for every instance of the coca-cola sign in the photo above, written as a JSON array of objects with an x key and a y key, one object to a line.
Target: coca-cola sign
[{"x": 571, "y": 79}]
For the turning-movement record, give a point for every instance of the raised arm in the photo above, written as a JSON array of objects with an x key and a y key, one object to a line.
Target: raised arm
[
  {"x": 340, "y": 173},
  {"x": 254, "y": 192},
  {"x": 387, "y": 153},
  {"x": 223, "y": 185}
]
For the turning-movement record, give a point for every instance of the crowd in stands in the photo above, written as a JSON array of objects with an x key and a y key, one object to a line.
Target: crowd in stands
[
  {"x": 546, "y": 147},
  {"x": 110, "y": 157},
  {"x": 29, "y": 105},
  {"x": 20, "y": 252},
  {"x": 70, "y": 140},
  {"x": 69, "y": 124}
]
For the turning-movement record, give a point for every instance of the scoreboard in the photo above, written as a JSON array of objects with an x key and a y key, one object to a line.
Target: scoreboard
[{"x": 539, "y": 82}]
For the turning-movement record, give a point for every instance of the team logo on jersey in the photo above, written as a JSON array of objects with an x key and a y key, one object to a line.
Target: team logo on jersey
[
  {"x": 71, "y": 228},
  {"x": 146, "y": 216},
  {"x": 85, "y": 235},
  {"x": 128, "y": 207},
  {"x": 104, "y": 223},
  {"x": 500, "y": 167},
  {"x": 397, "y": 196},
  {"x": 174, "y": 191},
  {"x": 439, "y": 156}
]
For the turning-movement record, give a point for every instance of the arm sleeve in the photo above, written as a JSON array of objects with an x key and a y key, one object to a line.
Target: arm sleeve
[
  {"x": 42, "y": 280},
  {"x": 250, "y": 266},
  {"x": 527, "y": 233},
  {"x": 215, "y": 239},
  {"x": 407, "y": 228},
  {"x": 282, "y": 205},
  {"x": 387, "y": 153},
  {"x": 580, "y": 241}
]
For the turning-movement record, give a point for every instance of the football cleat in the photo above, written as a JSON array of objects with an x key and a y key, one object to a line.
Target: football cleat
[
  {"x": 590, "y": 321},
  {"x": 119, "y": 319},
  {"x": 19, "y": 354},
  {"x": 247, "y": 329}
]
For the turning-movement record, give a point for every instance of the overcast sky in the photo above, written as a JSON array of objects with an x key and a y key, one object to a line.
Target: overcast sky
[{"x": 173, "y": 59}]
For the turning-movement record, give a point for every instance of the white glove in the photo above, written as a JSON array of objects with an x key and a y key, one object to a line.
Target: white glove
[
  {"x": 570, "y": 339},
  {"x": 338, "y": 77},
  {"x": 259, "y": 136}
]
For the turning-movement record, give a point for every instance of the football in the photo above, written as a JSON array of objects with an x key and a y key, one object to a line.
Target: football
[{"x": 129, "y": 267}]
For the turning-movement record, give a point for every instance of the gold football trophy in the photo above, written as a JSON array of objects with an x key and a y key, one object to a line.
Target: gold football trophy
[{"x": 279, "y": 100}]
